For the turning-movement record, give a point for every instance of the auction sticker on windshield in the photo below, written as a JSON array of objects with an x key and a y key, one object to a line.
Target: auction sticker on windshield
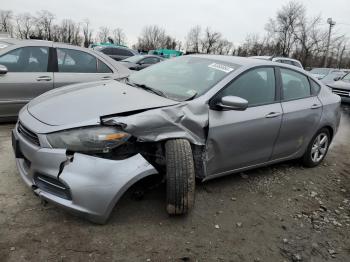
[{"x": 221, "y": 67}]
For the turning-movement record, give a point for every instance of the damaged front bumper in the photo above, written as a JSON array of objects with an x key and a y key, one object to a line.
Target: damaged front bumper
[{"x": 87, "y": 185}]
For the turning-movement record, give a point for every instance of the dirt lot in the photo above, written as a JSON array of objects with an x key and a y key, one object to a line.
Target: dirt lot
[{"x": 278, "y": 213}]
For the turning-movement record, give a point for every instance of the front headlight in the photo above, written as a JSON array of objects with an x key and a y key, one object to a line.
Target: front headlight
[{"x": 98, "y": 139}]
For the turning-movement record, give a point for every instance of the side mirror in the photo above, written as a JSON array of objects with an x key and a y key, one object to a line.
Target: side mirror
[
  {"x": 233, "y": 103},
  {"x": 3, "y": 70},
  {"x": 337, "y": 78}
]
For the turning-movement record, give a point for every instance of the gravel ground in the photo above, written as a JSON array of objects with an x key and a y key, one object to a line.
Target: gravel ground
[{"x": 279, "y": 213}]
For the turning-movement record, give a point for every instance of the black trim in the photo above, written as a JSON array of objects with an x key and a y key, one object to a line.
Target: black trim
[
  {"x": 54, "y": 60},
  {"x": 51, "y": 62}
]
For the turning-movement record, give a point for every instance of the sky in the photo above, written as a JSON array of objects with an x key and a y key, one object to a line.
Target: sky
[{"x": 234, "y": 19}]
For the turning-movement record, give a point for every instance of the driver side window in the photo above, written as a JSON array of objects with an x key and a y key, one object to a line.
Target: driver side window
[
  {"x": 257, "y": 86},
  {"x": 26, "y": 59}
]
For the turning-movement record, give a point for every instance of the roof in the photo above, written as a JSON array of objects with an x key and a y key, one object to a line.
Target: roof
[{"x": 25, "y": 41}]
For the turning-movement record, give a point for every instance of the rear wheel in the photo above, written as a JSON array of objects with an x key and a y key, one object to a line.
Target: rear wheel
[
  {"x": 180, "y": 176},
  {"x": 317, "y": 149}
]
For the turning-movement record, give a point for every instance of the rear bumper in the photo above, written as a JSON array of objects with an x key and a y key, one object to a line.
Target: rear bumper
[{"x": 93, "y": 185}]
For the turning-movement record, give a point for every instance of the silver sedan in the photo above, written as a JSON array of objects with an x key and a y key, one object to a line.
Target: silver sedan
[
  {"x": 29, "y": 68},
  {"x": 199, "y": 116}
]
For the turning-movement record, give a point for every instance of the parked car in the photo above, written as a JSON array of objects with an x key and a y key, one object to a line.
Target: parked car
[
  {"x": 139, "y": 62},
  {"x": 283, "y": 60},
  {"x": 341, "y": 87},
  {"x": 321, "y": 73},
  {"x": 82, "y": 146},
  {"x": 331, "y": 77},
  {"x": 117, "y": 53},
  {"x": 32, "y": 67},
  {"x": 105, "y": 44}
]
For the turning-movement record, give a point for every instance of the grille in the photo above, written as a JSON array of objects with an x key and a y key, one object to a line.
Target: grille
[
  {"x": 52, "y": 185},
  {"x": 29, "y": 135},
  {"x": 341, "y": 92}
]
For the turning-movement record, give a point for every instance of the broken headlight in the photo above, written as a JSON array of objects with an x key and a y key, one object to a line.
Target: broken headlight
[{"x": 98, "y": 139}]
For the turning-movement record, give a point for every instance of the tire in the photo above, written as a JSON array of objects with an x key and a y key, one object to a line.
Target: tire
[
  {"x": 316, "y": 152},
  {"x": 180, "y": 176}
]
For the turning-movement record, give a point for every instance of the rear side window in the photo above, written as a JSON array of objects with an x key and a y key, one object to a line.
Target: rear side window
[
  {"x": 108, "y": 51},
  {"x": 256, "y": 86},
  {"x": 150, "y": 60},
  {"x": 315, "y": 88},
  {"x": 26, "y": 59},
  {"x": 295, "y": 85},
  {"x": 75, "y": 61},
  {"x": 123, "y": 52},
  {"x": 103, "y": 68}
]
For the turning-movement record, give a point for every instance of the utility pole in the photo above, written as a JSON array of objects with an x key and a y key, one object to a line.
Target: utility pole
[{"x": 331, "y": 24}]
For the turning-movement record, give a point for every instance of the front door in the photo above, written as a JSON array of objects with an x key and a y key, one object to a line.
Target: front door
[
  {"x": 27, "y": 77},
  {"x": 239, "y": 139}
]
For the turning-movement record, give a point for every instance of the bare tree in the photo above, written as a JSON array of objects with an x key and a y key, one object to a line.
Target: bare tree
[
  {"x": 210, "y": 39},
  {"x": 24, "y": 25},
  {"x": 152, "y": 37},
  {"x": 6, "y": 24},
  {"x": 119, "y": 36},
  {"x": 193, "y": 39},
  {"x": 44, "y": 23},
  {"x": 103, "y": 34},
  {"x": 283, "y": 26},
  {"x": 87, "y": 33},
  {"x": 310, "y": 37}
]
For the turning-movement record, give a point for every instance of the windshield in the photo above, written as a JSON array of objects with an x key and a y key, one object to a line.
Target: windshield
[
  {"x": 320, "y": 71},
  {"x": 133, "y": 59},
  {"x": 184, "y": 77},
  {"x": 346, "y": 77}
]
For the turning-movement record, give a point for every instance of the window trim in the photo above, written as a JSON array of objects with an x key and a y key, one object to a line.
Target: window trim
[
  {"x": 99, "y": 61},
  {"x": 282, "y": 95},
  {"x": 319, "y": 90},
  {"x": 31, "y": 46},
  {"x": 277, "y": 99}
]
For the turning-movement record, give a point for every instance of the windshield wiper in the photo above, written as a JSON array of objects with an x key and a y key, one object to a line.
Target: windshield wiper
[{"x": 148, "y": 88}]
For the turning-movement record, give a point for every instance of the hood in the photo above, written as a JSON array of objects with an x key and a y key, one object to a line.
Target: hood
[
  {"x": 340, "y": 84},
  {"x": 83, "y": 102}
]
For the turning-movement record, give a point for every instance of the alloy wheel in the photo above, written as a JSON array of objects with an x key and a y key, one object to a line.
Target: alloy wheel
[{"x": 319, "y": 147}]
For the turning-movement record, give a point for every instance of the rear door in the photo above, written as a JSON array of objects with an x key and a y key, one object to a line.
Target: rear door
[
  {"x": 238, "y": 139},
  {"x": 301, "y": 114},
  {"x": 76, "y": 66},
  {"x": 29, "y": 75}
]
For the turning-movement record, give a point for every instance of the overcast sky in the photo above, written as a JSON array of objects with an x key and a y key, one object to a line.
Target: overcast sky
[{"x": 235, "y": 19}]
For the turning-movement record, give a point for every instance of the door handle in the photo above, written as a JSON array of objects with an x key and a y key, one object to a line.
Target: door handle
[
  {"x": 44, "y": 78},
  {"x": 273, "y": 114},
  {"x": 315, "y": 106},
  {"x": 106, "y": 77}
]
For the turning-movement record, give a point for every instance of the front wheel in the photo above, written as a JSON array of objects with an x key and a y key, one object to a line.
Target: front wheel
[
  {"x": 317, "y": 148},
  {"x": 180, "y": 176}
]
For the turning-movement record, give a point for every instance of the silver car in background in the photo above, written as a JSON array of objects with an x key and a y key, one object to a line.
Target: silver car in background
[
  {"x": 197, "y": 116},
  {"x": 29, "y": 68}
]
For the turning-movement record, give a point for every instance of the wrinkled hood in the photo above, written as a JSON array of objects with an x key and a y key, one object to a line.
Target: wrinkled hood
[
  {"x": 340, "y": 84},
  {"x": 83, "y": 102}
]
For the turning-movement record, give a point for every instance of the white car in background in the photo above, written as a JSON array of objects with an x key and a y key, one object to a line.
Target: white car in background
[{"x": 283, "y": 60}]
